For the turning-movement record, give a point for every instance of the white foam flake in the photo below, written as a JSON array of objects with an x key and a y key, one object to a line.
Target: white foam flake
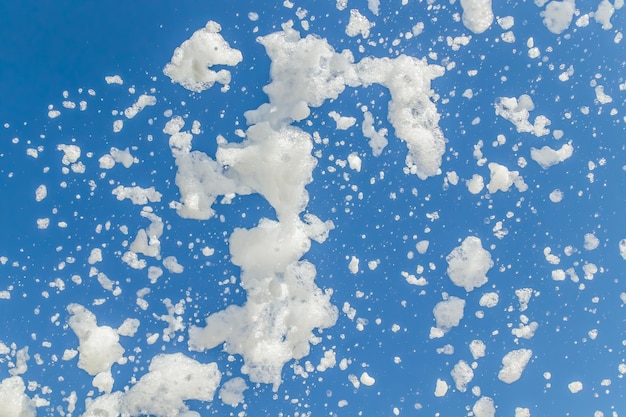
[
  {"x": 558, "y": 15},
  {"x": 99, "y": 346},
  {"x": 172, "y": 265},
  {"x": 547, "y": 157},
  {"x": 448, "y": 313},
  {"x": 484, "y": 407},
  {"x": 231, "y": 392},
  {"x": 556, "y": 196},
  {"x": 603, "y": 14},
  {"x": 489, "y": 300},
  {"x": 513, "y": 364},
  {"x": 622, "y": 248},
  {"x": 41, "y": 192},
  {"x": 143, "y": 101},
  {"x": 501, "y": 179},
  {"x": 476, "y": 184},
  {"x": 187, "y": 379},
  {"x": 477, "y": 347},
  {"x": 462, "y": 374},
  {"x": 377, "y": 139},
  {"x": 191, "y": 62},
  {"x": 114, "y": 79},
  {"x": 441, "y": 388},
  {"x": 517, "y": 111},
  {"x": 343, "y": 122},
  {"x": 591, "y": 241},
  {"x": 575, "y": 387},
  {"x": 353, "y": 266},
  {"x": 468, "y": 264},
  {"x": 15, "y": 402},
  {"x": 137, "y": 195},
  {"x": 477, "y": 15},
  {"x": 358, "y": 25},
  {"x": 367, "y": 380}
]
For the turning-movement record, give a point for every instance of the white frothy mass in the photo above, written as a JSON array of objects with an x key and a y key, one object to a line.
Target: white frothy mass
[{"x": 275, "y": 323}]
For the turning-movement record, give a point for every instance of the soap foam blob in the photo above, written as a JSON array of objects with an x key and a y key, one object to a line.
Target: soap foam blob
[
  {"x": 468, "y": 264},
  {"x": 191, "y": 62}
]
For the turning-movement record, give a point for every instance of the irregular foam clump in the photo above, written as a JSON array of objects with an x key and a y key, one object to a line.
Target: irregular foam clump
[
  {"x": 377, "y": 139},
  {"x": 558, "y": 15},
  {"x": 411, "y": 112},
  {"x": 171, "y": 380},
  {"x": 232, "y": 391},
  {"x": 462, "y": 374},
  {"x": 547, "y": 157},
  {"x": 477, "y": 347},
  {"x": 283, "y": 303},
  {"x": 448, "y": 314},
  {"x": 343, "y": 123},
  {"x": 603, "y": 14},
  {"x": 441, "y": 388},
  {"x": 517, "y": 111},
  {"x": 468, "y": 264},
  {"x": 475, "y": 184},
  {"x": 358, "y": 25},
  {"x": 143, "y": 101},
  {"x": 124, "y": 157},
  {"x": 320, "y": 74},
  {"x": 200, "y": 179},
  {"x": 137, "y": 195},
  {"x": 484, "y": 407},
  {"x": 99, "y": 346},
  {"x": 191, "y": 61},
  {"x": 502, "y": 179},
  {"x": 305, "y": 72},
  {"x": 513, "y": 364},
  {"x": 575, "y": 387},
  {"x": 477, "y": 15},
  {"x": 13, "y": 399},
  {"x": 281, "y": 173},
  {"x": 114, "y": 79},
  {"x": 147, "y": 240},
  {"x": 286, "y": 310}
]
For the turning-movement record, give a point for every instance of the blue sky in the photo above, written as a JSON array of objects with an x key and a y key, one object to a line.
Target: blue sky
[{"x": 50, "y": 49}]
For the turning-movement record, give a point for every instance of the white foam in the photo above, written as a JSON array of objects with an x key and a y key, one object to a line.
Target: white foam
[
  {"x": 358, "y": 25},
  {"x": 547, "y": 157},
  {"x": 462, "y": 374},
  {"x": 575, "y": 387},
  {"x": 477, "y": 15},
  {"x": 603, "y": 14},
  {"x": 513, "y": 364},
  {"x": 441, "y": 388},
  {"x": 191, "y": 61},
  {"x": 232, "y": 391},
  {"x": 468, "y": 264},
  {"x": 558, "y": 15},
  {"x": 448, "y": 313},
  {"x": 501, "y": 179},
  {"x": 99, "y": 346},
  {"x": 187, "y": 379},
  {"x": 137, "y": 195},
  {"x": 477, "y": 347},
  {"x": 484, "y": 407},
  {"x": 114, "y": 79},
  {"x": 41, "y": 192},
  {"x": 141, "y": 103},
  {"x": 13, "y": 398}
]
